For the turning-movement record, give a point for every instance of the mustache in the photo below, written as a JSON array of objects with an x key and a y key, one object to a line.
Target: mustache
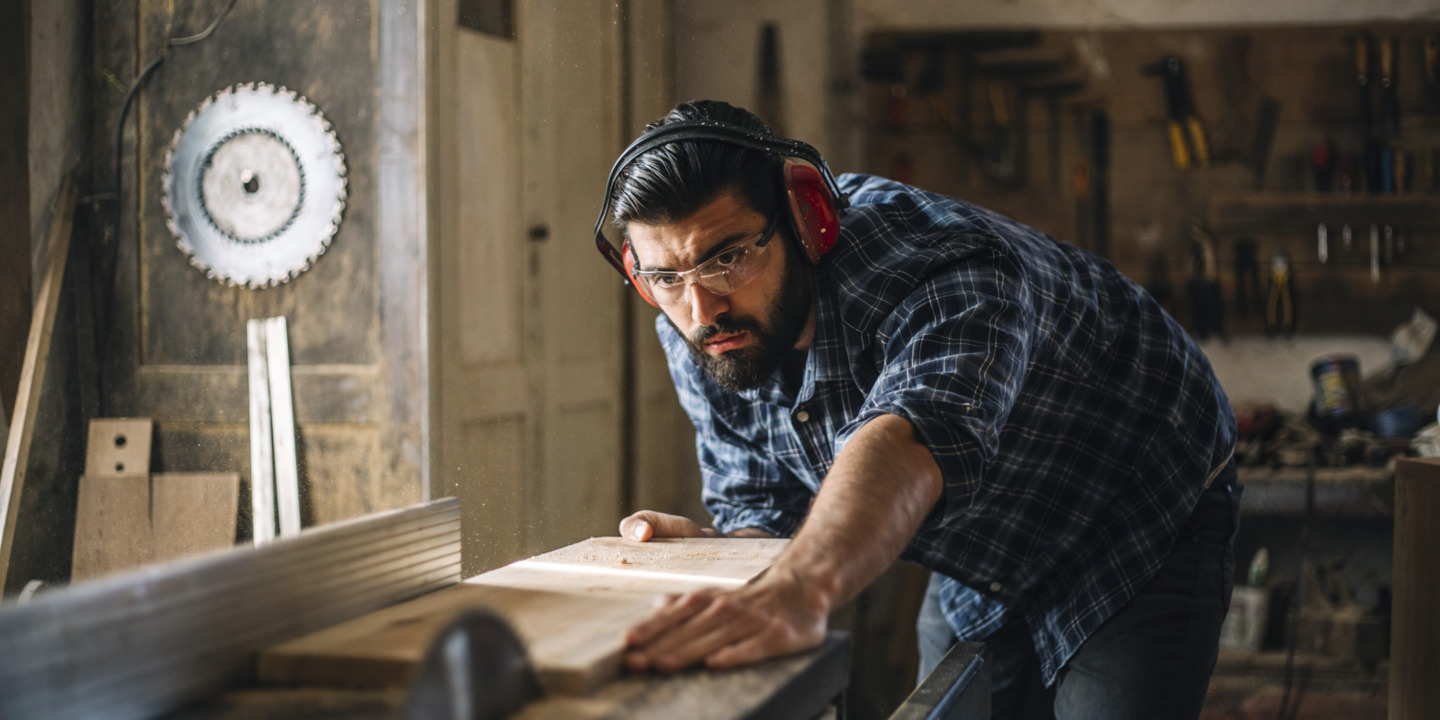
[{"x": 724, "y": 326}]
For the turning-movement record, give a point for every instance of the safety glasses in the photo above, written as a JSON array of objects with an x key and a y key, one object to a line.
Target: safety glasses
[{"x": 723, "y": 274}]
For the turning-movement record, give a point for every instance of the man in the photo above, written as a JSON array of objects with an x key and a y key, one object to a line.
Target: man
[{"x": 924, "y": 379}]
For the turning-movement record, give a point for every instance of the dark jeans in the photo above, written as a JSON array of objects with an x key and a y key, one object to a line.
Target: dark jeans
[{"x": 1152, "y": 659}]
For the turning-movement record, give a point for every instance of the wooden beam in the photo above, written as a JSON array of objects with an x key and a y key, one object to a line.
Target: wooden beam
[
  {"x": 32, "y": 375},
  {"x": 282, "y": 426},
  {"x": 262, "y": 449},
  {"x": 1414, "y": 625},
  {"x": 15, "y": 252}
]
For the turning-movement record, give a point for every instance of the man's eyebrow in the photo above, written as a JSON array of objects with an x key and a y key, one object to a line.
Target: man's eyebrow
[{"x": 725, "y": 244}]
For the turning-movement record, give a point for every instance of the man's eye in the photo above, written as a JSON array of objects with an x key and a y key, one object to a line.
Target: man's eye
[
  {"x": 729, "y": 257},
  {"x": 665, "y": 281}
]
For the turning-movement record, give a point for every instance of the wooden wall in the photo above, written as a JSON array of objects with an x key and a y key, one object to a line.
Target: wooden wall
[
  {"x": 912, "y": 126},
  {"x": 177, "y": 346}
]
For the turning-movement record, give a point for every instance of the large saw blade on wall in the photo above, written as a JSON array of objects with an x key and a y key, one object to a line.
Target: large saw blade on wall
[{"x": 254, "y": 185}]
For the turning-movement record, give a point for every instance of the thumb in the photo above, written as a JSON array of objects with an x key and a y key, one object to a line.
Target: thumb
[{"x": 647, "y": 524}]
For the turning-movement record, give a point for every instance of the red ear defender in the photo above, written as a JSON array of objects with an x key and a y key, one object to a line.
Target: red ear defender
[
  {"x": 640, "y": 286},
  {"x": 814, "y": 209}
]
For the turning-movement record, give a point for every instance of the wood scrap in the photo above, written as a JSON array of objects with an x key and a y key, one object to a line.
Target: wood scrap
[
  {"x": 262, "y": 462},
  {"x": 191, "y": 513},
  {"x": 119, "y": 447},
  {"x": 112, "y": 526},
  {"x": 572, "y": 606},
  {"x": 282, "y": 426},
  {"x": 32, "y": 373}
]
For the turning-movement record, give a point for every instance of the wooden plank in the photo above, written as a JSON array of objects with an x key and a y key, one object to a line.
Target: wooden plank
[
  {"x": 32, "y": 375},
  {"x": 112, "y": 526},
  {"x": 571, "y": 606},
  {"x": 119, "y": 447},
  {"x": 282, "y": 426},
  {"x": 141, "y": 644},
  {"x": 1415, "y": 627},
  {"x": 262, "y": 462},
  {"x": 193, "y": 513}
]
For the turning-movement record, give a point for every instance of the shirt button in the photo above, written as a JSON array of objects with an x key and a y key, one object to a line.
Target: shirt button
[
  {"x": 994, "y": 587},
  {"x": 802, "y": 416}
]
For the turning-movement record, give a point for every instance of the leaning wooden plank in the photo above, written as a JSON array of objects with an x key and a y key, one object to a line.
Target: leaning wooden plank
[
  {"x": 32, "y": 373},
  {"x": 141, "y": 644},
  {"x": 192, "y": 513},
  {"x": 262, "y": 459},
  {"x": 118, "y": 447},
  {"x": 112, "y": 526},
  {"x": 282, "y": 426},
  {"x": 571, "y": 606}
]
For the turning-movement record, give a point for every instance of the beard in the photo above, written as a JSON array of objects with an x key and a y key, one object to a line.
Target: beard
[{"x": 750, "y": 367}]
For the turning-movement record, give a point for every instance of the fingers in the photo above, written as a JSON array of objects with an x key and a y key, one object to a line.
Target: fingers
[
  {"x": 647, "y": 524},
  {"x": 670, "y": 612}
]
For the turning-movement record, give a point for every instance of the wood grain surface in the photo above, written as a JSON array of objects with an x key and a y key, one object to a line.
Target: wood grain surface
[{"x": 571, "y": 606}]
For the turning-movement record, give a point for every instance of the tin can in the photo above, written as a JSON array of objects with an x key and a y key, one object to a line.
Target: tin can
[{"x": 1337, "y": 403}]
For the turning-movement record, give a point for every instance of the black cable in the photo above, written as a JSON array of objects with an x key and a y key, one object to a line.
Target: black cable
[
  {"x": 113, "y": 251},
  {"x": 1286, "y": 710}
]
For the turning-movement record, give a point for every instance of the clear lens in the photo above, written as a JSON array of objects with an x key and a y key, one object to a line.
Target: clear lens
[{"x": 723, "y": 274}]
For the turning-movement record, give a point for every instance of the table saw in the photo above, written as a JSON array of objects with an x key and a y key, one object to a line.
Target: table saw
[{"x": 370, "y": 618}]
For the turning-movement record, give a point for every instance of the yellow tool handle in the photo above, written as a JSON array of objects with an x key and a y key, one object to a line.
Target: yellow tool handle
[
  {"x": 1197, "y": 141},
  {"x": 1179, "y": 153}
]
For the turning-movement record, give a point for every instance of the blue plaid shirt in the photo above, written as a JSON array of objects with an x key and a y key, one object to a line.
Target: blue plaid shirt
[{"x": 1074, "y": 421}]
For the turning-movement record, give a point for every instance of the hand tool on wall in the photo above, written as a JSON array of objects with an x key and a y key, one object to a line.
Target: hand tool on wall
[
  {"x": 768, "y": 98},
  {"x": 1389, "y": 97},
  {"x": 1204, "y": 283},
  {"x": 1247, "y": 278},
  {"x": 1188, "y": 145},
  {"x": 1430, "y": 69},
  {"x": 1322, "y": 238},
  {"x": 1375, "y": 254},
  {"x": 1253, "y": 114},
  {"x": 1280, "y": 299},
  {"x": 1322, "y": 166},
  {"x": 1100, "y": 182}
]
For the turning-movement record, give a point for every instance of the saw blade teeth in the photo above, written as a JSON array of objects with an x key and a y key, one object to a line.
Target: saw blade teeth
[{"x": 300, "y": 240}]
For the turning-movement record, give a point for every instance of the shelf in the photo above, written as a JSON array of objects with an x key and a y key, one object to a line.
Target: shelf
[
  {"x": 1260, "y": 212},
  {"x": 1359, "y": 491}
]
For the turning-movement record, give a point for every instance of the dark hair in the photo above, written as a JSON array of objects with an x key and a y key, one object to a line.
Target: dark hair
[{"x": 671, "y": 182}]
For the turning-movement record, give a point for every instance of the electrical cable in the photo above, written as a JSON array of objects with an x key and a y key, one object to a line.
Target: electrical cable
[
  {"x": 1287, "y": 711},
  {"x": 113, "y": 239}
]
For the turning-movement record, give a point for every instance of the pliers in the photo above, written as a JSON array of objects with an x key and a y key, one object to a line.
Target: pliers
[
  {"x": 1280, "y": 302},
  {"x": 1188, "y": 146}
]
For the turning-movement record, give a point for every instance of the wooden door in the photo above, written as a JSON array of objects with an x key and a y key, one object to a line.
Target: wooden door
[{"x": 529, "y": 327}]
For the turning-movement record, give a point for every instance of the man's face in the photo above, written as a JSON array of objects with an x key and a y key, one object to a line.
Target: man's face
[{"x": 738, "y": 338}]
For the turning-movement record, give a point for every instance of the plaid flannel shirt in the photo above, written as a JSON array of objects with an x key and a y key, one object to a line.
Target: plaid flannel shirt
[{"x": 1074, "y": 421}]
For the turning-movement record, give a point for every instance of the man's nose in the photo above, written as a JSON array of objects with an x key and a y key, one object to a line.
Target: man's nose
[{"x": 705, "y": 306}]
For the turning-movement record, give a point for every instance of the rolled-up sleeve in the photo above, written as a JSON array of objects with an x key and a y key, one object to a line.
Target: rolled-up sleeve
[{"x": 952, "y": 361}]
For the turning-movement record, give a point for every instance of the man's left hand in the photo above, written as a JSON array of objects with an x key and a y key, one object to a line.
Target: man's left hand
[{"x": 773, "y": 615}]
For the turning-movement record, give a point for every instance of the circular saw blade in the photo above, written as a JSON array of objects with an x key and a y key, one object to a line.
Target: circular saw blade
[{"x": 255, "y": 185}]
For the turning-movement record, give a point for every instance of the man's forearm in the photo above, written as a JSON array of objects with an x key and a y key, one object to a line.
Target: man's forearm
[{"x": 877, "y": 493}]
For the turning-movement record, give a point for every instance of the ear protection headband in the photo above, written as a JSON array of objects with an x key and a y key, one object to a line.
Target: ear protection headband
[{"x": 814, "y": 197}]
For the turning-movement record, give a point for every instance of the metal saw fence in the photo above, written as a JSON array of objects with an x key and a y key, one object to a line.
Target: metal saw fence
[{"x": 140, "y": 644}]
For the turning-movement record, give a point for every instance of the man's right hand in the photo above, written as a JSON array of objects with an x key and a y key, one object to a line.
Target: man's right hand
[{"x": 647, "y": 524}]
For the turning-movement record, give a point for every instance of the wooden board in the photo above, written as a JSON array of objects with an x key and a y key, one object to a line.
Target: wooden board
[
  {"x": 193, "y": 513},
  {"x": 571, "y": 606},
  {"x": 32, "y": 374},
  {"x": 1415, "y": 628},
  {"x": 118, "y": 447},
  {"x": 112, "y": 526}
]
